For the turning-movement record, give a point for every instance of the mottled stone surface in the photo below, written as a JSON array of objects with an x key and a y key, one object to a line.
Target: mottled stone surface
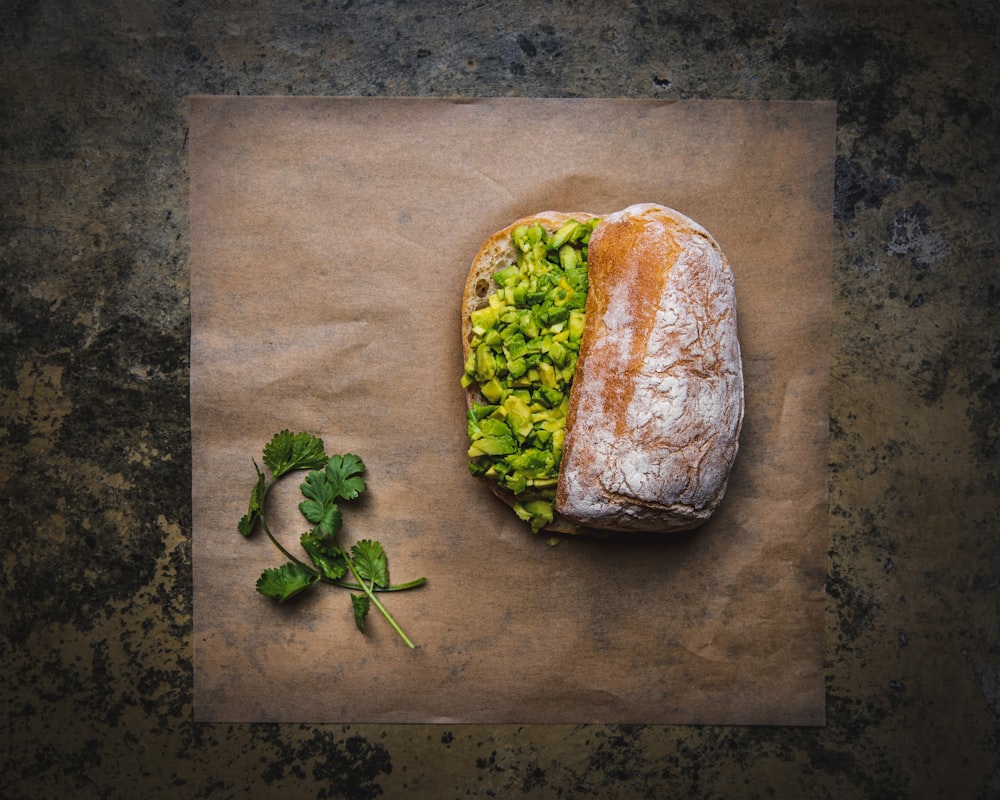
[{"x": 95, "y": 621}]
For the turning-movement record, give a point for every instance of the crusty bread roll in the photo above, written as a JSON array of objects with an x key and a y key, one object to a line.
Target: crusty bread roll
[
  {"x": 656, "y": 404},
  {"x": 657, "y": 400}
]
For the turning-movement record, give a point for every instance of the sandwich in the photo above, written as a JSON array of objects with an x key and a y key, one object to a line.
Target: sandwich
[{"x": 603, "y": 375}]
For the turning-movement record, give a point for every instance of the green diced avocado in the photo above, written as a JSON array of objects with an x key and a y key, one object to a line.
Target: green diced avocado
[
  {"x": 516, "y": 367},
  {"x": 479, "y": 411},
  {"x": 508, "y": 276},
  {"x": 515, "y": 482},
  {"x": 492, "y": 390},
  {"x": 492, "y": 446},
  {"x": 483, "y": 319},
  {"x": 494, "y": 439},
  {"x": 522, "y": 357},
  {"x": 519, "y": 237},
  {"x": 518, "y": 416},
  {"x": 533, "y": 295},
  {"x": 486, "y": 364},
  {"x": 538, "y": 513},
  {"x": 570, "y": 230},
  {"x": 534, "y": 463},
  {"x": 516, "y": 347},
  {"x": 547, "y": 375},
  {"x": 493, "y": 339},
  {"x": 569, "y": 256},
  {"x": 548, "y": 396},
  {"x": 577, "y": 277},
  {"x": 542, "y": 436},
  {"x": 553, "y": 313},
  {"x": 558, "y": 353},
  {"x": 526, "y": 236},
  {"x": 528, "y": 324},
  {"x": 492, "y": 426}
]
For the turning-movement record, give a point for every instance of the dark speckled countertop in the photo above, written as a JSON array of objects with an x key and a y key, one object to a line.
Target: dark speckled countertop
[{"x": 95, "y": 622}]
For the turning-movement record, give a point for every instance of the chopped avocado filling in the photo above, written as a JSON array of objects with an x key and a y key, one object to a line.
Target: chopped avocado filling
[{"x": 523, "y": 352}]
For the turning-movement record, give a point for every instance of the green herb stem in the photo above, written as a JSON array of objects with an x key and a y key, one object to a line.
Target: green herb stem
[
  {"x": 371, "y": 595},
  {"x": 396, "y": 587},
  {"x": 281, "y": 547}
]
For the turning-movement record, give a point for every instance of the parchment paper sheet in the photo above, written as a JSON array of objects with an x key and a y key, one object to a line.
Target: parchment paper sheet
[{"x": 330, "y": 239}]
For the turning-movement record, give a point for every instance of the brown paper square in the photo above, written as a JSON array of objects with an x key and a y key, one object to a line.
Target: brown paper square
[{"x": 330, "y": 239}]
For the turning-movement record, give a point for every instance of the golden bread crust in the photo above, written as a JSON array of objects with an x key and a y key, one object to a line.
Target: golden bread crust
[{"x": 657, "y": 400}]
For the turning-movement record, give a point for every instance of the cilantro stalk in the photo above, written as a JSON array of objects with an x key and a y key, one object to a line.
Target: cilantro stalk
[
  {"x": 329, "y": 478},
  {"x": 369, "y": 589}
]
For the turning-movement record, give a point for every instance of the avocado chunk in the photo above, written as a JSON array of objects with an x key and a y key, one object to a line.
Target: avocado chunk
[
  {"x": 518, "y": 416},
  {"x": 537, "y": 513},
  {"x": 491, "y": 438}
]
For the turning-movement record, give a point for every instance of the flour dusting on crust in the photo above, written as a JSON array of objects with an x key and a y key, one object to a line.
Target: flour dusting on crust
[{"x": 657, "y": 403}]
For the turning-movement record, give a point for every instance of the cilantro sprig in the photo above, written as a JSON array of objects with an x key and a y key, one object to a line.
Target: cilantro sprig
[{"x": 363, "y": 567}]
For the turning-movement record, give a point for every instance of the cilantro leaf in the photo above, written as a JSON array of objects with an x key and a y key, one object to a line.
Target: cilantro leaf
[
  {"x": 361, "y": 604},
  {"x": 284, "y": 582},
  {"x": 320, "y": 508},
  {"x": 249, "y": 520},
  {"x": 370, "y": 562},
  {"x": 344, "y": 474},
  {"x": 325, "y": 554},
  {"x": 289, "y": 451}
]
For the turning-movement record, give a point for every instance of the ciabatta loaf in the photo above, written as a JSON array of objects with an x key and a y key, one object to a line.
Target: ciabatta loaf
[
  {"x": 656, "y": 403},
  {"x": 657, "y": 400}
]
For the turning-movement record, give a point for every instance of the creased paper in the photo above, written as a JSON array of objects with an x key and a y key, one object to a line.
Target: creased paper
[{"x": 330, "y": 240}]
